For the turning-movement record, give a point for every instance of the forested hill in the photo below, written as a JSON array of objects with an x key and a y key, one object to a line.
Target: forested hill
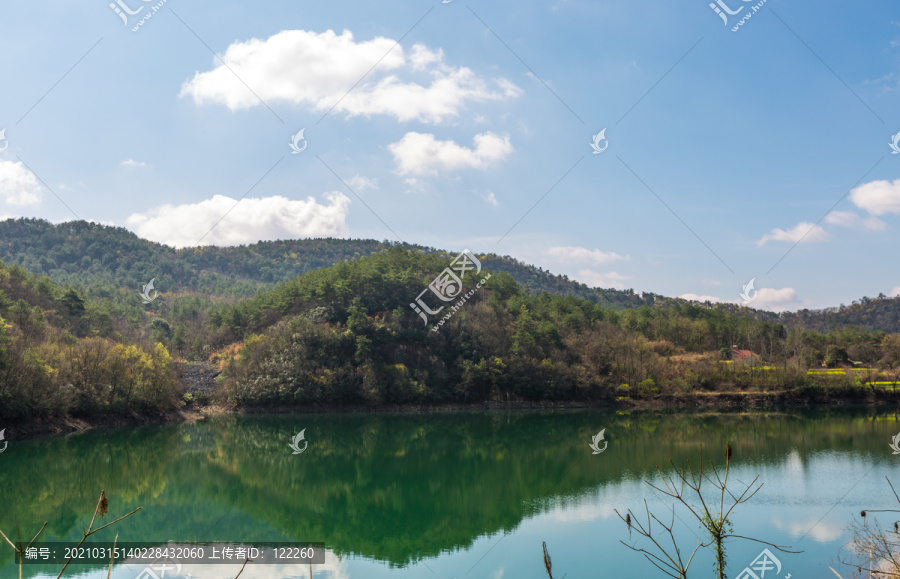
[
  {"x": 102, "y": 259},
  {"x": 114, "y": 263},
  {"x": 880, "y": 313}
]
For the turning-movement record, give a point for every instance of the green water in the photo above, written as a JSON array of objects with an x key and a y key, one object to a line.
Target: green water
[{"x": 449, "y": 495}]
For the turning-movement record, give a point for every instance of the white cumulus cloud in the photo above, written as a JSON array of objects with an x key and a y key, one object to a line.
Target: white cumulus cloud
[
  {"x": 422, "y": 154},
  {"x": 895, "y": 293},
  {"x": 878, "y": 197},
  {"x": 774, "y": 299},
  {"x": 803, "y": 230},
  {"x": 582, "y": 254},
  {"x": 252, "y": 220},
  {"x": 777, "y": 300},
  {"x": 318, "y": 69},
  {"x": 18, "y": 185},
  {"x": 133, "y": 163}
]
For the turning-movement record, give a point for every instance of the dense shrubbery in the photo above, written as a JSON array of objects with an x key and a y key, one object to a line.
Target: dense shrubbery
[{"x": 60, "y": 354}]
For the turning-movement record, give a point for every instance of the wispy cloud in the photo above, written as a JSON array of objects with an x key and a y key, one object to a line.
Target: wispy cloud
[
  {"x": 803, "y": 230},
  {"x": 855, "y": 221},
  {"x": 573, "y": 254},
  {"x": 133, "y": 163},
  {"x": 359, "y": 183},
  {"x": 609, "y": 279},
  {"x": 699, "y": 298}
]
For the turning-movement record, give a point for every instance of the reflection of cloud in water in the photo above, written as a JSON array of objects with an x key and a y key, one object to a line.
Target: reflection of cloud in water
[
  {"x": 598, "y": 505},
  {"x": 823, "y": 532},
  {"x": 794, "y": 463},
  {"x": 498, "y": 574},
  {"x": 584, "y": 513}
]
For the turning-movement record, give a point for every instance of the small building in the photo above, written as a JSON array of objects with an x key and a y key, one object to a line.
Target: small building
[{"x": 744, "y": 357}]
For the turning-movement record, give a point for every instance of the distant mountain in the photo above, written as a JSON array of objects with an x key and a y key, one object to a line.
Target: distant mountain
[
  {"x": 114, "y": 263},
  {"x": 99, "y": 258},
  {"x": 880, "y": 313}
]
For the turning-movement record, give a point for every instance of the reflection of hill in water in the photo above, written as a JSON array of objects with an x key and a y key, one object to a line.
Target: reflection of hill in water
[{"x": 391, "y": 487}]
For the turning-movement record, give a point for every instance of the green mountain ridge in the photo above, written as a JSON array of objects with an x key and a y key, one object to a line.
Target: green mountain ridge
[
  {"x": 105, "y": 261},
  {"x": 99, "y": 258}
]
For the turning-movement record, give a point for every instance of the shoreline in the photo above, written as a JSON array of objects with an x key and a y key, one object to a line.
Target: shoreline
[{"x": 756, "y": 401}]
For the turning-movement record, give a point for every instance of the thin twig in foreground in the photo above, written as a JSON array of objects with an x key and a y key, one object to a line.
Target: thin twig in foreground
[
  {"x": 101, "y": 503},
  {"x": 242, "y": 568},
  {"x": 112, "y": 557}
]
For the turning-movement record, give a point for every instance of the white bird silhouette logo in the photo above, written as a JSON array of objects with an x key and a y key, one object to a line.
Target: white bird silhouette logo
[
  {"x": 295, "y": 442},
  {"x": 125, "y": 9},
  {"x": 601, "y": 136},
  {"x": 748, "y": 290},
  {"x": 895, "y": 143},
  {"x": 145, "y": 293},
  {"x": 595, "y": 442},
  {"x": 295, "y": 141},
  {"x": 895, "y": 443},
  {"x": 2, "y": 432},
  {"x": 6, "y": 143}
]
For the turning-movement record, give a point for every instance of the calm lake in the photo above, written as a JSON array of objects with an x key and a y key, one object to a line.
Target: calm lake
[{"x": 451, "y": 495}]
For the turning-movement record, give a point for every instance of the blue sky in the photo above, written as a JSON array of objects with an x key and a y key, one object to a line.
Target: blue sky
[{"x": 723, "y": 148}]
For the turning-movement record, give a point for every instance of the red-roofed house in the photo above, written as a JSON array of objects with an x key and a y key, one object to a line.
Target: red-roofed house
[{"x": 744, "y": 356}]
